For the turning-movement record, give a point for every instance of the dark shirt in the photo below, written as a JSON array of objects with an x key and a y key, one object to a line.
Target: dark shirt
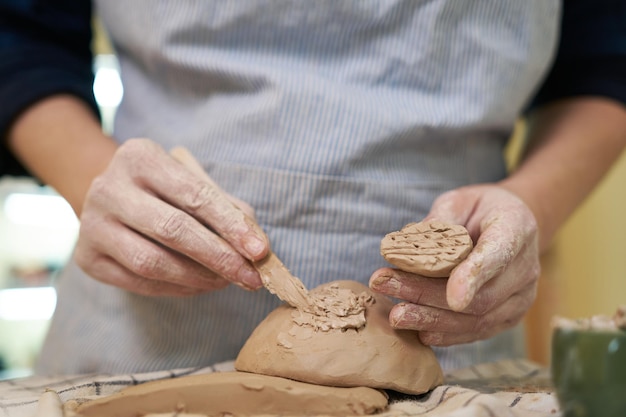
[
  {"x": 45, "y": 50},
  {"x": 591, "y": 59}
]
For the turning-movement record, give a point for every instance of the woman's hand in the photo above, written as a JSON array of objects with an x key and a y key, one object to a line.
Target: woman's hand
[
  {"x": 490, "y": 290},
  {"x": 152, "y": 226}
]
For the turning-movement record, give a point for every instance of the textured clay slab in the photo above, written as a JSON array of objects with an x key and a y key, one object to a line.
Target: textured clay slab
[
  {"x": 431, "y": 249},
  {"x": 297, "y": 345},
  {"x": 235, "y": 394}
]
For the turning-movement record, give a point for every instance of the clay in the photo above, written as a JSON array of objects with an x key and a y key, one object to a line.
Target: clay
[
  {"x": 333, "y": 307},
  {"x": 235, "y": 394},
  {"x": 338, "y": 348},
  {"x": 49, "y": 405},
  {"x": 432, "y": 249}
]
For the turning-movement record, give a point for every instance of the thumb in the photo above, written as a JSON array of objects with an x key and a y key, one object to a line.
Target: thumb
[
  {"x": 456, "y": 207},
  {"x": 453, "y": 207}
]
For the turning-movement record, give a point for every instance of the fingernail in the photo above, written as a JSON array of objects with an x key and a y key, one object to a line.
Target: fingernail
[
  {"x": 250, "y": 279},
  {"x": 254, "y": 246},
  {"x": 378, "y": 282},
  {"x": 461, "y": 295},
  {"x": 397, "y": 315},
  {"x": 385, "y": 282}
]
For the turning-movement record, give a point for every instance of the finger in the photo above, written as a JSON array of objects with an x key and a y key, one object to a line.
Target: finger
[
  {"x": 416, "y": 289},
  {"x": 155, "y": 262},
  {"x": 503, "y": 236},
  {"x": 108, "y": 271},
  {"x": 440, "y": 327},
  {"x": 230, "y": 212},
  {"x": 182, "y": 155},
  {"x": 174, "y": 229},
  {"x": 410, "y": 287},
  {"x": 522, "y": 272},
  {"x": 177, "y": 185},
  {"x": 455, "y": 206},
  {"x": 144, "y": 257}
]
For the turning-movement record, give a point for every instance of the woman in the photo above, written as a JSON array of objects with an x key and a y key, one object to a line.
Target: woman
[{"x": 333, "y": 123}]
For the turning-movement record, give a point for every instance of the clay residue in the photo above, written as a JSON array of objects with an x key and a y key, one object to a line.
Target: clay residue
[
  {"x": 597, "y": 322},
  {"x": 429, "y": 248},
  {"x": 334, "y": 308},
  {"x": 323, "y": 309}
]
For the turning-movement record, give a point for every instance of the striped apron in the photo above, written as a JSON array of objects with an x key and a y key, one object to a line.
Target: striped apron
[{"x": 338, "y": 121}]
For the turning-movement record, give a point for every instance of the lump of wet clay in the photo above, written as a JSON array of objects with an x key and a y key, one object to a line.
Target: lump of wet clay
[
  {"x": 431, "y": 248},
  {"x": 346, "y": 342},
  {"x": 235, "y": 394}
]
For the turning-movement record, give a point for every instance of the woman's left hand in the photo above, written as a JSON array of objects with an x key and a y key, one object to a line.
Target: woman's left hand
[{"x": 490, "y": 290}]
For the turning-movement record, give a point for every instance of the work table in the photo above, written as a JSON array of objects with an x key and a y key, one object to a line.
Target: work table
[{"x": 506, "y": 388}]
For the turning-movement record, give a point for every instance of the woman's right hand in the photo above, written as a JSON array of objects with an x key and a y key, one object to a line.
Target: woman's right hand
[{"x": 153, "y": 226}]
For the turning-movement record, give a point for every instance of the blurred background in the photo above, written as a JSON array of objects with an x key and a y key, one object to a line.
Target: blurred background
[
  {"x": 584, "y": 273},
  {"x": 38, "y": 230}
]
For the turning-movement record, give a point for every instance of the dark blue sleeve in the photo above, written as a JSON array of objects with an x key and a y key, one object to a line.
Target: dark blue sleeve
[
  {"x": 591, "y": 59},
  {"x": 44, "y": 50}
]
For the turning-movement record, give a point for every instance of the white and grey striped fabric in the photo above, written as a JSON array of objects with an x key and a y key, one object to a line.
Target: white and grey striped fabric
[
  {"x": 338, "y": 121},
  {"x": 513, "y": 388}
]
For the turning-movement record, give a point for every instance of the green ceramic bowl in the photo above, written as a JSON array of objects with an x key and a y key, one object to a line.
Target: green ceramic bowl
[{"x": 589, "y": 372}]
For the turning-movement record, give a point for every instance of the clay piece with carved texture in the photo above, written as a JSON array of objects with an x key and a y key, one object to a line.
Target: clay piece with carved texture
[{"x": 431, "y": 249}]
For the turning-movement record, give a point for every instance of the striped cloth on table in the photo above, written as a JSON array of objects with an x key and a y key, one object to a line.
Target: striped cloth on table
[{"x": 516, "y": 388}]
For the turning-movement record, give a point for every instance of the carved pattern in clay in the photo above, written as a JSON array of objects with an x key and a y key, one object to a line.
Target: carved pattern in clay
[{"x": 431, "y": 249}]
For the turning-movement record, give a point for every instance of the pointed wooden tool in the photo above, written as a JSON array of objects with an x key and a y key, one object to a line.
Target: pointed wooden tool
[{"x": 275, "y": 276}]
